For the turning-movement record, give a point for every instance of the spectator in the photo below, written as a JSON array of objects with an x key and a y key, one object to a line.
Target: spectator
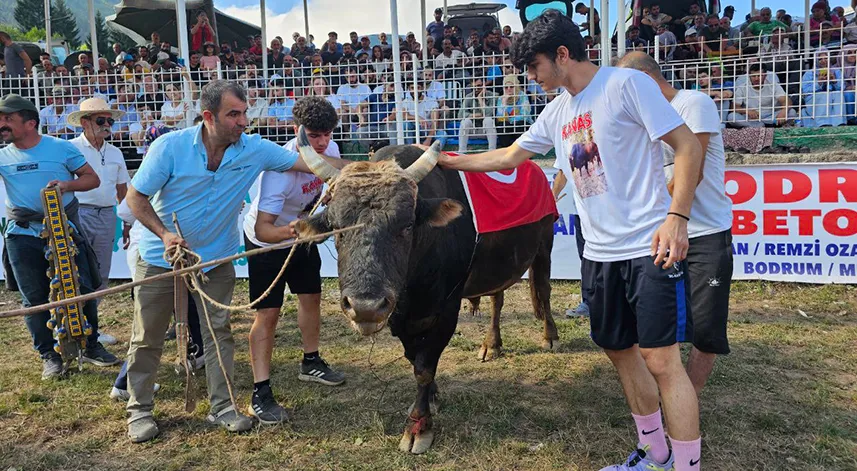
[
  {"x": 433, "y": 88},
  {"x": 435, "y": 29},
  {"x": 331, "y": 54},
  {"x": 301, "y": 51},
  {"x": 477, "y": 115},
  {"x": 145, "y": 56},
  {"x": 257, "y": 109},
  {"x": 277, "y": 56},
  {"x": 449, "y": 57},
  {"x": 379, "y": 62},
  {"x": 667, "y": 43},
  {"x": 155, "y": 44},
  {"x": 280, "y": 118},
  {"x": 118, "y": 52},
  {"x": 347, "y": 54},
  {"x": 320, "y": 87},
  {"x": 513, "y": 111},
  {"x": 780, "y": 15},
  {"x": 103, "y": 86},
  {"x": 201, "y": 32},
  {"x": 382, "y": 41},
  {"x": 429, "y": 113},
  {"x": 355, "y": 43},
  {"x": 228, "y": 60},
  {"x": 151, "y": 99},
  {"x": 334, "y": 36},
  {"x": 473, "y": 43},
  {"x": 382, "y": 116},
  {"x": 760, "y": 101},
  {"x": 411, "y": 45},
  {"x": 821, "y": 15},
  {"x": 257, "y": 49},
  {"x": 734, "y": 34},
  {"x": 634, "y": 41},
  {"x": 655, "y": 17},
  {"x": 448, "y": 33},
  {"x": 687, "y": 20},
  {"x": 209, "y": 59},
  {"x": 691, "y": 48},
  {"x": 364, "y": 47},
  {"x": 430, "y": 51},
  {"x": 778, "y": 44},
  {"x": 165, "y": 52},
  {"x": 822, "y": 89},
  {"x": 582, "y": 9},
  {"x": 54, "y": 117},
  {"x": 353, "y": 96},
  {"x": 716, "y": 39},
  {"x": 721, "y": 96},
  {"x": 765, "y": 25},
  {"x": 849, "y": 77},
  {"x": 177, "y": 112}
]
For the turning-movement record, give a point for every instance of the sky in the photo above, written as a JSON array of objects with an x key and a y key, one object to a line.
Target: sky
[{"x": 373, "y": 16}]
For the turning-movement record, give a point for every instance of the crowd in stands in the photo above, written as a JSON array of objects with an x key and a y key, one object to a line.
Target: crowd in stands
[{"x": 462, "y": 85}]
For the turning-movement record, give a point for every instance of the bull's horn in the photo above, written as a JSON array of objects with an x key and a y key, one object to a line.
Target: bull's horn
[
  {"x": 315, "y": 162},
  {"x": 424, "y": 165}
]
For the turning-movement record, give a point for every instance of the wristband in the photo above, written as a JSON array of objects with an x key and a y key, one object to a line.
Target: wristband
[{"x": 679, "y": 215}]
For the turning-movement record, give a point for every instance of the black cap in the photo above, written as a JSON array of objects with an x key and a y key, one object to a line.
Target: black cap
[
  {"x": 438, "y": 10},
  {"x": 13, "y": 103}
]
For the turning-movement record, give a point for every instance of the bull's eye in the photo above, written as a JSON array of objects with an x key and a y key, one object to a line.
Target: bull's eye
[{"x": 406, "y": 231}]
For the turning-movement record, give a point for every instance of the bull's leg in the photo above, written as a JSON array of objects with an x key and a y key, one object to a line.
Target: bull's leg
[
  {"x": 419, "y": 435},
  {"x": 540, "y": 294},
  {"x": 474, "y": 306},
  {"x": 492, "y": 345}
]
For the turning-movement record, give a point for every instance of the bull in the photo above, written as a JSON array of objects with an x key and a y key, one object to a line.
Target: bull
[{"x": 417, "y": 256}]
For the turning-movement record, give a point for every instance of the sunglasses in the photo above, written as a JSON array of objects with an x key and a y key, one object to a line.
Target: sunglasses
[{"x": 101, "y": 120}]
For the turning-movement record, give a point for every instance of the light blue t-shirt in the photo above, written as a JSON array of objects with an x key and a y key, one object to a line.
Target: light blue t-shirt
[
  {"x": 25, "y": 172},
  {"x": 207, "y": 203}
]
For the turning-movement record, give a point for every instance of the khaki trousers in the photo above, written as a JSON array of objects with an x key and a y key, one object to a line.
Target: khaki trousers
[{"x": 153, "y": 309}]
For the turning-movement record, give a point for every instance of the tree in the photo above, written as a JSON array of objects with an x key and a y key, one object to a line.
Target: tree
[
  {"x": 101, "y": 32},
  {"x": 64, "y": 23},
  {"x": 30, "y": 14}
]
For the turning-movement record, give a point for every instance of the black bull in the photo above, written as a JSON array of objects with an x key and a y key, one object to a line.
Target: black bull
[{"x": 416, "y": 258}]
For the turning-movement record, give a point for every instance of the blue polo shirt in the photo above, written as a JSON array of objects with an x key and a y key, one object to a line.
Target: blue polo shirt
[
  {"x": 207, "y": 203},
  {"x": 26, "y": 171}
]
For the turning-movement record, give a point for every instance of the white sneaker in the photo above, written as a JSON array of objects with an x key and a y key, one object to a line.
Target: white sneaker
[
  {"x": 124, "y": 395},
  {"x": 107, "y": 339}
]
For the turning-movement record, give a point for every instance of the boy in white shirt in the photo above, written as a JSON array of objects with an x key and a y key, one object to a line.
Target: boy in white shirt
[
  {"x": 709, "y": 257},
  {"x": 609, "y": 126},
  {"x": 281, "y": 200}
]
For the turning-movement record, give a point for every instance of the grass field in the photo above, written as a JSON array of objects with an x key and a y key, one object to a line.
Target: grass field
[{"x": 785, "y": 399}]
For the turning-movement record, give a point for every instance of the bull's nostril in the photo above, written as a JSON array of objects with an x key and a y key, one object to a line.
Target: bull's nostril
[{"x": 346, "y": 304}]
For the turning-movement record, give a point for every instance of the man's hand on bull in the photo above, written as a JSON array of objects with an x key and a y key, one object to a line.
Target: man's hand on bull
[{"x": 669, "y": 244}]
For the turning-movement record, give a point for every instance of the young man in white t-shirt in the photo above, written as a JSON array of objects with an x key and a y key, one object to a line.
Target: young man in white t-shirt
[
  {"x": 281, "y": 200},
  {"x": 709, "y": 258},
  {"x": 609, "y": 124}
]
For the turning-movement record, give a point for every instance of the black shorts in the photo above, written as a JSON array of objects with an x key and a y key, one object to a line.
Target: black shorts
[
  {"x": 709, "y": 262},
  {"x": 303, "y": 273},
  {"x": 636, "y": 302}
]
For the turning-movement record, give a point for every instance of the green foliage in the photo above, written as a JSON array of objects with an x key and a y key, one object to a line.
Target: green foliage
[
  {"x": 103, "y": 40},
  {"x": 64, "y": 23},
  {"x": 30, "y": 14}
]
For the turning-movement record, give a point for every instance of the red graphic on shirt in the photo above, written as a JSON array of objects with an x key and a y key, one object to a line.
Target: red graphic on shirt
[{"x": 584, "y": 158}]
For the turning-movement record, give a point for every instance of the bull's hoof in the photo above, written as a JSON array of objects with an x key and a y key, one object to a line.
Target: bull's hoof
[
  {"x": 550, "y": 345},
  {"x": 416, "y": 444},
  {"x": 487, "y": 353}
]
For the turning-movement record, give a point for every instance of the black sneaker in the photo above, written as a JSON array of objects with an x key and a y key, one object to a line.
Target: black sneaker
[
  {"x": 51, "y": 366},
  {"x": 265, "y": 408},
  {"x": 317, "y": 370},
  {"x": 99, "y": 356}
]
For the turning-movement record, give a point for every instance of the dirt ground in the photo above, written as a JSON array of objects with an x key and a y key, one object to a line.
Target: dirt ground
[{"x": 786, "y": 398}]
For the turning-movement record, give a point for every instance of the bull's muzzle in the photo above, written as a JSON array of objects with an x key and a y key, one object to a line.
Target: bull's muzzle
[{"x": 368, "y": 314}]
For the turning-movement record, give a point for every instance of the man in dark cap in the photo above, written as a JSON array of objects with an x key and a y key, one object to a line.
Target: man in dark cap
[{"x": 29, "y": 163}]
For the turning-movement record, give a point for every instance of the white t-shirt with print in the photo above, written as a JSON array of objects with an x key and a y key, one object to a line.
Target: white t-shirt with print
[
  {"x": 290, "y": 195},
  {"x": 610, "y": 134},
  {"x": 712, "y": 209},
  {"x": 564, "y": 165}
]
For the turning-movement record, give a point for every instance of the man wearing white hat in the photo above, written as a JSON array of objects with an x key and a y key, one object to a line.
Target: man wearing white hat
[{"x": 97, "y": 213}]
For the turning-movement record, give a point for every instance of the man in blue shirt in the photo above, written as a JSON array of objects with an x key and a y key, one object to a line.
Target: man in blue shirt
[
  {"x": 201, "y": 174},
  {"x": 435, "y": 28},
  {"x": 29, "y": 163}
]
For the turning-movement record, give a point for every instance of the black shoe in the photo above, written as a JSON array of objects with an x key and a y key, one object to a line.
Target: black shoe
[
  {"x": 265, "y": 408},
  {"x": 317, "y": 370},
  {"x": 51, "y": 366},
  {"x": 99, "y": 356}
]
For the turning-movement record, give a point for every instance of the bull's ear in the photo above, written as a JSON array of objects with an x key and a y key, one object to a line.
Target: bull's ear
[
  {"x": 437, "y": 212},
  {"x": 313, "y": 225}
]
